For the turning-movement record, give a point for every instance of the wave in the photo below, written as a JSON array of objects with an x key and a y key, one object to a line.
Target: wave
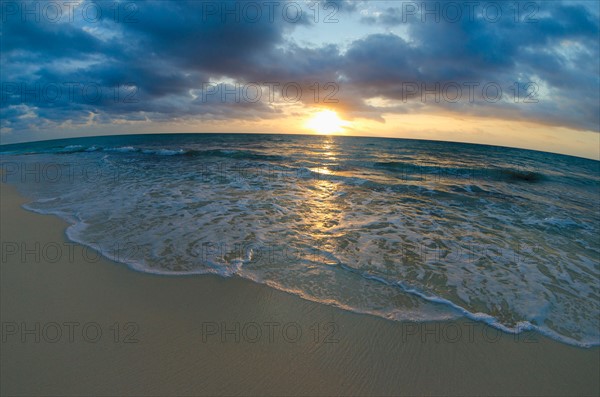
[
  {"x": 233, "y": 154},
  {"x": 73, "y": 232},
  {"x": 515, "y": 248},
  {"x": 519, "y": 327},
  {"x": 492, "y": 173}
]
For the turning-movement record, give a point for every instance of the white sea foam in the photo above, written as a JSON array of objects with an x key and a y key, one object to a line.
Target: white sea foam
[{"x": 518, "y": 252}]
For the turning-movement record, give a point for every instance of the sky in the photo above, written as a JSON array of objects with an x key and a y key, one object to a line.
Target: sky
[{"x": 518, "y": 73}]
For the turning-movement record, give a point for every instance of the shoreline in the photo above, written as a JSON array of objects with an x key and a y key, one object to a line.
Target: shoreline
[
  {"x": 200, "y": 335},
  {"x": 463, "y": 314}
]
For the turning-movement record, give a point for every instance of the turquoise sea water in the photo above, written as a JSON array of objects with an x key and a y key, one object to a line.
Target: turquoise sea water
[{"x": 402, "y": 229}]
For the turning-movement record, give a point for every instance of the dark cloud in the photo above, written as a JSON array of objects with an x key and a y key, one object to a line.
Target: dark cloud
[
  {"x": 557, "y": 49},
  {"x": 152, "y": 61}
]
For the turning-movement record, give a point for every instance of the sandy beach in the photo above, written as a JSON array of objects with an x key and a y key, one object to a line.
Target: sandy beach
[
  {"x": 299, "y": 198},
  {"x": 74, "y": 323}
]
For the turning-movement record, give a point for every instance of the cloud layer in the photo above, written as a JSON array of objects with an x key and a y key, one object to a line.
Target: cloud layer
[{"x": 162, "y": 61}]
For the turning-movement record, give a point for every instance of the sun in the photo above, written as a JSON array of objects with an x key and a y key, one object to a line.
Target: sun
[{"x": 326, "y": 122}]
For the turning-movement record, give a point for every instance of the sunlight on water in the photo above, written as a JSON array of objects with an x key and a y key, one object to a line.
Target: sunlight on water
[{"x": 396, "y": 228}]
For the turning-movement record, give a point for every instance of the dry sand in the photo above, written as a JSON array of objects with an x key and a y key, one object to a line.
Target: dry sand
[{"x": 178, "y": 349}]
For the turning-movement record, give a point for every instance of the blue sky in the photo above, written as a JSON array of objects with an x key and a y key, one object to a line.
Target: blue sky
[{"x": 527, "y": 72}]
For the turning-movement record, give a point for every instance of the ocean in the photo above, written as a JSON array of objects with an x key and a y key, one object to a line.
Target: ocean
[{"x": 408, "y": 230}]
